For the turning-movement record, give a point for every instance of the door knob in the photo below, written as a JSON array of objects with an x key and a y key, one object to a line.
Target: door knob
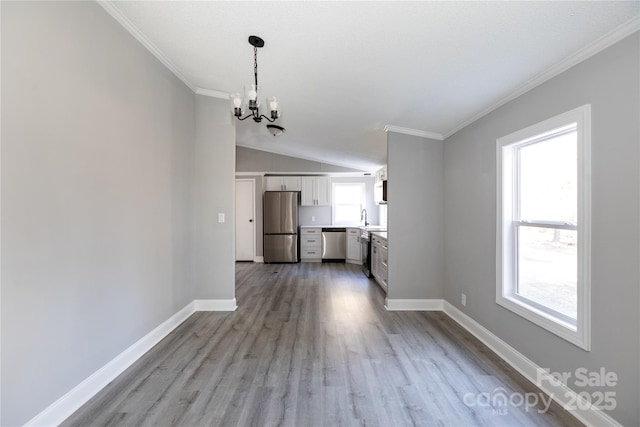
[{"x": 250, "y": 220}]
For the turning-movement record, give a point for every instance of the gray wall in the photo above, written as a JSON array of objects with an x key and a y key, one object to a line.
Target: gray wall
[
  {"x": 250, "y": 160},
  {"x": 415, "y": 217},
  {"x": 214, "y": 190},
  {"x": 315, "y": 215},
  {"x": 101, "y": 198},
  {"x": 608, "y": 81}
]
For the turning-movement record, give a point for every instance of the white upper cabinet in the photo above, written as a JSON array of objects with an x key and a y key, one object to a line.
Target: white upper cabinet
[
  {"x": 323, "y": 186},
  {"x": 381, "y": 175},
  {"x": 291, "y": 183},
  {"x": 316, "y": 191},
  {"x": 282, "y": 183},
  {"x": 307, "y": 196}
]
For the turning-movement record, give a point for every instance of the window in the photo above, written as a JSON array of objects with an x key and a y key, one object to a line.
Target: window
[
  {"x": 348, "y": 202},
  {"x": 543, "y": 242}
]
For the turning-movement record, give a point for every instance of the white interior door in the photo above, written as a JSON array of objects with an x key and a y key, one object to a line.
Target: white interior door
[{"x": 245, "y": 220}]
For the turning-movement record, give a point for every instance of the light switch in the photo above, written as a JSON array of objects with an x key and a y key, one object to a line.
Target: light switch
[{"x": 220, "y": 217}]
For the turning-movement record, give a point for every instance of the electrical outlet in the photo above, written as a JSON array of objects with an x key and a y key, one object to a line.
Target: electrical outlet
[
  {"x": 220, "y": 217},
  {"x": 313, "y": 218},
  {"x": 463, "y": 300}
]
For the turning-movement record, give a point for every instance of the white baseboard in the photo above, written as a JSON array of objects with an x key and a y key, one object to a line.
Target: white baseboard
[
  {"x": 258, "y": 259},
  {"x": 413, "y": 304},
  {"x": 215, "y": 304},
  {"x": 62, "y": 408},
  {"x": 563, "y": 395}
]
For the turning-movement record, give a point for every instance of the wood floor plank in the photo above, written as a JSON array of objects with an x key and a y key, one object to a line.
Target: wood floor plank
[{"x": 312, "y": 345}]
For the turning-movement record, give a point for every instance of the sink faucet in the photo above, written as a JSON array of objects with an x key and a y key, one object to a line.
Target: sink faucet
[{"x": 363, "y": 216}]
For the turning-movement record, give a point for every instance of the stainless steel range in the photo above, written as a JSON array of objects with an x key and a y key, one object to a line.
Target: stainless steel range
[{"x": 365, "y": 242}]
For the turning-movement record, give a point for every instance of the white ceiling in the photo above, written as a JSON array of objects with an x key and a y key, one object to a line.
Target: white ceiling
[{"x": 343, "y": 70}]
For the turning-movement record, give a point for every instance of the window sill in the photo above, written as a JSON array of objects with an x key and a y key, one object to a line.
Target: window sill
[{"x": 571, "y": 333}]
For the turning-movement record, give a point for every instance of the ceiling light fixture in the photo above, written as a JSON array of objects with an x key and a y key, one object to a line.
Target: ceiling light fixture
[
  {"x": 275, "y": 130},
  {"x": 252, "y": 103}
]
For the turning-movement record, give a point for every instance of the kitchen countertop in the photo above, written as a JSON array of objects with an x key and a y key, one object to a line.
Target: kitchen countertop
[
  {"x": 381, "y": 234},
  {"x": 373, "y": 228},
  {"x": 369, "y": 227}
]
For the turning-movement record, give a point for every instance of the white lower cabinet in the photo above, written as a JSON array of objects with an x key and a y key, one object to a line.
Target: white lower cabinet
[
  {"x": 379, "y": 261},
  {"x": 311, "y": 244},
  {"x": 354, "y": 252}
]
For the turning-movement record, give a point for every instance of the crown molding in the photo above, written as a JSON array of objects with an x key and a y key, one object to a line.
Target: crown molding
[
  {"x": 414, "y": 132},
  {"x": 212, "y": 93},
  {"x": 588, "y": 51},
  {"x": 113, "y": 10}
]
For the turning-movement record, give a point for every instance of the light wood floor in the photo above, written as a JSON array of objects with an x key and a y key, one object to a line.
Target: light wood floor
[{"x": 312, "y": 345}]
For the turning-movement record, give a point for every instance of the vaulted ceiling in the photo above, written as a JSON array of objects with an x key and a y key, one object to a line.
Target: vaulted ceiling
[{"x": 342, "y": 71}]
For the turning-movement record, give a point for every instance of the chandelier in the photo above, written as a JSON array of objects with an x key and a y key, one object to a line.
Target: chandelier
[{"x": 252, "y": 103}]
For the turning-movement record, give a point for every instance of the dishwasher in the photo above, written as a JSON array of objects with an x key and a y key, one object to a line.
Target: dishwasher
[{"x": 334, "y": 244}]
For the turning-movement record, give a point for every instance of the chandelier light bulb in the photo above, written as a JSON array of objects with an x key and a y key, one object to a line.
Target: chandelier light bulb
[
  {"x": 252, "y": 93},
  {"x": 273, "y": 103},
  {"x": 237, "y": 100},
  {"x": 236, "y": 104}
]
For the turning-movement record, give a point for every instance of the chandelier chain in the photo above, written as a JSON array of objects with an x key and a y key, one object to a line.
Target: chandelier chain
[{"x": 255, "y": 65}]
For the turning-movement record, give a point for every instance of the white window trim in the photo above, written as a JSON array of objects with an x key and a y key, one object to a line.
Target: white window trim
[
  {"x": 333, "y": 201},
  {"x": 580, "y": 332}
]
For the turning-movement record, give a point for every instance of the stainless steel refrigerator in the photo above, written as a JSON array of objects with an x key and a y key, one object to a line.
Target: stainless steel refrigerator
[{"x": 280, "y": 224}]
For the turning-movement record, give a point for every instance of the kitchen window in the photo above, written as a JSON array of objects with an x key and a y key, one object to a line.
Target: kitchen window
[
  {"x": 348, "y": 202},
  {"x": 543, "y": 224}
]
